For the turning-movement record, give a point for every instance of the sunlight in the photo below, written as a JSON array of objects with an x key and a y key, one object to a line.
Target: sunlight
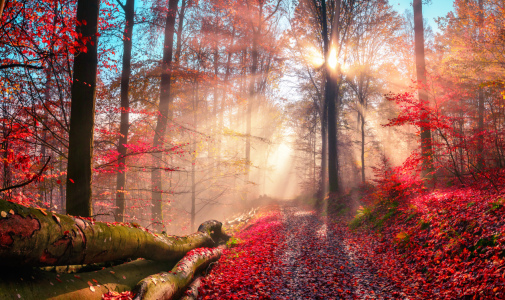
[
  {"x": 282, "y": 181},
  {"x": 332, "y": 59},
  {"x": 315, "y": 58}
]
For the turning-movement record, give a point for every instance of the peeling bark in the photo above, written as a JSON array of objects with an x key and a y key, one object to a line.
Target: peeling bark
[
  {"x": 35, "y": 237},
  {"x": 170, "y": 285}
]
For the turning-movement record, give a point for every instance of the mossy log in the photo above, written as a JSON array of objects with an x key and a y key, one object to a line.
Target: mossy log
[
  {"x": 192, "y": 291},
  {"x": 36, "y": 284},
  {"x": 170, "y": 285},
  {"x": 35, "y": 237}
]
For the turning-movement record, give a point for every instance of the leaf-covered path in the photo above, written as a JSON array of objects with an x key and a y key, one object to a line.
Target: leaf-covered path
[{"x": 291, "y": 253}]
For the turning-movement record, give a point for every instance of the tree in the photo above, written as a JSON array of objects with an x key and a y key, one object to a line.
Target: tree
[
  {"x": 82, "y": 114},
  {"x": 129, "y": 9},
  {"x": 164, "y": 114},
  {"x": 426, "y": 142}
]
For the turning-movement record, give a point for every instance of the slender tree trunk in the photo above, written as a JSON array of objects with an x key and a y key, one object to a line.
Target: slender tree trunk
[
  {"x": 2, "y": 5},
  {"x": 164, "y": 114},
  {"x": 480, "y": 140},
  {"x": 180, "y": 25},
  {"x": 426, "y": 148},
  {"x": 363, "y": 148},
  {"x": 193, "y": 158},
  {"x": 129, "y": 10},
  {"x": 324, "y": 153},
  {"x": 252, "y": 98},
  {"x": 82, "y": 114}
]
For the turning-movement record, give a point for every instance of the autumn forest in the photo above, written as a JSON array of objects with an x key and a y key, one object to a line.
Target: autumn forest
[{"x": 252, "y": 149}]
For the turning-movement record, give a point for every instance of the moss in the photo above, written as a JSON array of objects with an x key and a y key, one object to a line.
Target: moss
[{"x": 375, "y": 217}]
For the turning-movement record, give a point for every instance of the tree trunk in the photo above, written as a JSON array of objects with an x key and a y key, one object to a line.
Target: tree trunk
[
  {"x": 171, "y": 285},
  {"x": 36, "y": 284},
  {"x": 192, "y": 291},
  {"x": 164, "y": 114},
  {"x": 129, "y": 10},
  {"x": 2, "y": 5},
  {"x": 426, "y": 148},
  {"x": 82, "y": 114},
  {"x": 480, "y": 128},
  {"x": 193, "y": 156},
  {"x": 324, "y": 153},
  {"x": 362, "y": 146},
  {"x": 34, "y": 237},
  {"x": 331, "y": 94}
]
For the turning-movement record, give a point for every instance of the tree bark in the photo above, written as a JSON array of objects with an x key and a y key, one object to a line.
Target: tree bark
[
  {"x": 192, "y": 291},
  {"x": 36, "y": 284},
  {"x": 82, "y": 114},
  {"x": 480, "y": 125},
  {"x": 129, "y": 9},
  {"x": 34, "y": 237},
  {"x": 164, "y": 114},
  {"x": 170, "y": 285},
  {"x": 331, "y": 93},
  {"x": 426, "y": 148}
]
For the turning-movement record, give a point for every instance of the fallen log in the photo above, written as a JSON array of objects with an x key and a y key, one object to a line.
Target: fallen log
[
  {"x": 36, "y": 284},
  {"x": 36, "y": 237},
  {"x": 192, "y": 291},
  {"x": 172, "y": 284}
]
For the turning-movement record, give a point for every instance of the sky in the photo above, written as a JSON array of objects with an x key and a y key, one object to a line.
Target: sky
[{"x": 437, "y": 8}]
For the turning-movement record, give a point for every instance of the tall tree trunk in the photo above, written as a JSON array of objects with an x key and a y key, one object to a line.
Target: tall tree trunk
[
  {"x": 2, "y": 5},
  {"x": 362, "y": 146},
  {"x": 252, "y": 98},
  {"x": 426, "y": 148},
  {"x": 324, "y": 153},
  {"x": 82, "y": 114},
  {"x": 180, "y": 25},
  {"x": 129, "y": 9},
  {"x": 480, "y": 140},
  {"x": 331, "y": 95},
  {"x": 164, "y": 114},
  {"x": 193, "y": 157}
]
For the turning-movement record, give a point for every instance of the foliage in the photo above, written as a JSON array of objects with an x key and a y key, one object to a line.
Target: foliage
[{"x": 445, "y": 243}]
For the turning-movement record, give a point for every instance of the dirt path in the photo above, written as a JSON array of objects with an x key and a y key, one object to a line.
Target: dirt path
[
  {"x": 319, "y": 264},
  {"x": 292, "y": 253}
]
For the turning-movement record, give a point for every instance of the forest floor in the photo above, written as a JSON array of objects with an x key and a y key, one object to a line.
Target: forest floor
[
  {"x": 289, "y": 252},
  {"x": 445, "y": 244}
]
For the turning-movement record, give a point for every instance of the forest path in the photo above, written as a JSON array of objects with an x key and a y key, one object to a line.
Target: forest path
[
  {"x": 290, "y": 252},
  {"x": 320, "y": 262}
]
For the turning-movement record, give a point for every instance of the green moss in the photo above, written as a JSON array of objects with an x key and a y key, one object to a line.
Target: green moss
[
  {"x": 375, "y": 217},
  {"x": 233, "y": 242}
]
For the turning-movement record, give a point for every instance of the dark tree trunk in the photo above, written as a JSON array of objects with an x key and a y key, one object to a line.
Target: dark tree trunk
[
  {"x": 129, "y": 9},
  {"x": 324, "y": 152},
  {"x": 164, "y": 114},
  {"x": 362, "y": 146},
  {"x": 426, "y": 148},
  {"x": 331, "y": 95},
  {"x": 82, "y": 115}
]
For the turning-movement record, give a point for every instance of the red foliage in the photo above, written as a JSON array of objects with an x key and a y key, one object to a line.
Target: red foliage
[
  {"x": 244, "y": 271},
  {"x": 444, "y": 244}
]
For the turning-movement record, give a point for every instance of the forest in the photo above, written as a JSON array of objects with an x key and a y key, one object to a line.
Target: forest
[{"x": 252, "y": 149}]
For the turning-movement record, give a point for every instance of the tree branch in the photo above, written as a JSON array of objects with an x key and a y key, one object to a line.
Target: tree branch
[
  {"x": 28, "y": 181},
  {"x": 20, "y": 65}
]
